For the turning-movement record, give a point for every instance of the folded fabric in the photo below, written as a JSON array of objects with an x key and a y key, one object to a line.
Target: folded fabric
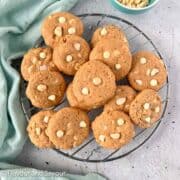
[{"x": 20, "y": 22}]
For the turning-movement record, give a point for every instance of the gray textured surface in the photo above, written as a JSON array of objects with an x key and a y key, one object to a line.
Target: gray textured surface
[{"x": 159, "y": 157}]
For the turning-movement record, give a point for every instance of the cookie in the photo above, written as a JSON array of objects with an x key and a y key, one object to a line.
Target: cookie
[
  {"x": 94, "y": 84},
  {"x": 70, "y": 97},
  {"x": 73, "y": 102},
  {"x": 68, "y": 128},
  {"x": 113, "y": 129},
  {"x": 37, "y": 129},
  {"x": 108, "y": 32},
  {"x": 70, "y": 53},
  {"x": 121, "y": 101},
  {"x": 35, "y": 60},
  {"x": 148, "y": 71},
  {"x": 59, "y": 24},
  {"x": 146, "y": 108},
  {"x": 115, "y": 54},
  {"x": 46, "y": 89}
]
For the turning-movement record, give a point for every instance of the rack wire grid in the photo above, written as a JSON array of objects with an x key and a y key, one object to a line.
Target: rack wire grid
[{"x": 90, "y": 151}]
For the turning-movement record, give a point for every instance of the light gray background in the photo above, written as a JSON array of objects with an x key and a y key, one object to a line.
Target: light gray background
[{"x": 159, "y": 158}]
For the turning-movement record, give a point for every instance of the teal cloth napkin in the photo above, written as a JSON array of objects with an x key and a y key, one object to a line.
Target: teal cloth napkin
[{"x": 20, "y": 22}]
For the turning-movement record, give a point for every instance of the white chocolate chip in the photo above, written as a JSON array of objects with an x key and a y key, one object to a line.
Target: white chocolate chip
[
  {"x": 102, "y": 138},
  {"x": 69, "y": 58},
  {"x": 120, "y": 101},
  {"x": 103, "y": 32},
  {"x": 120, "y": 122},
  {"x": 34, "y": 60},
  {"x": 62, "y": 20},
  {"x": 41, "y": 87},
  {"x": 115, "y": 135},
  {"x": 51, "y": 97},
  {"x": 157, "y": 109},
  {"x": 58, "y": 31},
  {"x": 59, "y": 133},
  {"x": 143, "y": 60},
  {"x": 38, "y": 131},
  {"x": 154, "y": 71},
  {"x": 148, "y": 119},
  {"x": 72, "y": 30},
  {"x": 106, "y": 54},
  {"x": 97, "y": 81},
  {"x": 42, "y": 55},
  {"x": 46, "y": 119},
  {"x": 82, "y": 124},
  {"x": 148, "y": 72},
  {"x": 77, "y": 46},
  {"x": 153, "y": 82},
  {"x": 117, "y": 66},
  {"x": 146, "y": 106},
  {"x": 139, "y": 82},
  {"x": 85, "y": 91}
]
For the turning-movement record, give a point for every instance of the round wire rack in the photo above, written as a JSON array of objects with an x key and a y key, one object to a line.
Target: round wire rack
[{"x": 90, "y": 151}]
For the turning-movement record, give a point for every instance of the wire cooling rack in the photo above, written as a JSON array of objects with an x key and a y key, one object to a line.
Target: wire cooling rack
[{"x": 90, "y": 151}]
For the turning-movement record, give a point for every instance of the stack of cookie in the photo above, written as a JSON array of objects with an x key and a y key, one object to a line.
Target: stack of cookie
[{"x": 96, "y": 69}]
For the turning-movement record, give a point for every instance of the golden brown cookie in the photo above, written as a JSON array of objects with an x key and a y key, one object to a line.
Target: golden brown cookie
[
  {"x": 70, "y": 53},
  {"x": 148, "y": 71},
  {"x": 146, "y": 108},
  {"x": 70, "y": 97},
  {"x": 94, "y": 84},
  {"x": 108, "y": 32},
  {"x": 73, "y": 102},
  {"x": 37, "y": 129},
  {"x": 59, "y": 24},
  {"x": 121, "y": 101},
  {"x": 46, "y": 89},
  {"x": 113, "y": 129},
  {"x": 115, "y": 54},
  {"x": 68, "y": 128},
  {"x": 35, "y": 60}
]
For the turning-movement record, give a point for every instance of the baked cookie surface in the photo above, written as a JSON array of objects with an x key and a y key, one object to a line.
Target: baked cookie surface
[
  {"x": 113, "y": 129},
  {"x": 148, "y": 71},
  {"x": 36, "y": 60},
  {"x": 121, "y": 101},
  {"x": 37, "y": 129},
  {"x": 73, "y": 102},
  {"x": 94, "y": 84},
  {"x": 70, "y": 53},
  {"x": 115, "y": 54},
  {"x": 108, "y": 32},
  {"x": 68, "y": 128},
  {"x": 146, "y": 108},
  {"x": 59, "y": 24},
  {"x": 46, "y": 89}
]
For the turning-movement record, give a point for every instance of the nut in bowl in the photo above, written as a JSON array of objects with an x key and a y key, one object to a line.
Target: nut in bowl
[{"x": 134, "y": 6}]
